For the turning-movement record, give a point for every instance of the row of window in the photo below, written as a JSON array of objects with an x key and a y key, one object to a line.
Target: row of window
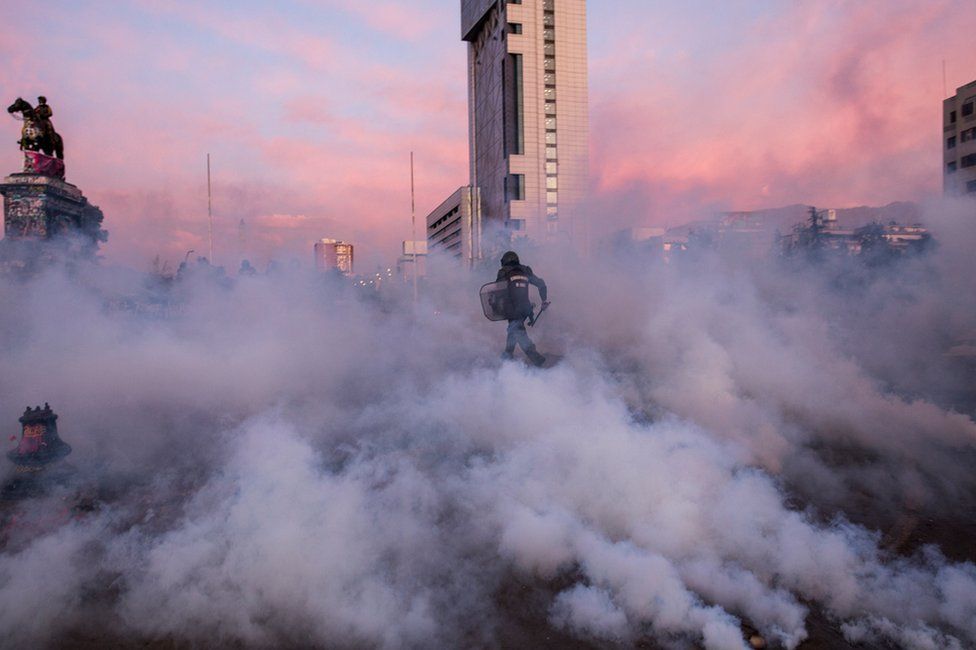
[
  {"x": 439, "y": 222},
  {"x": 967, "y": 135},
  {"x": 549, "y": 93},
  {"x": 967, "y": 109},
  {"x": 964, "y": 162}
]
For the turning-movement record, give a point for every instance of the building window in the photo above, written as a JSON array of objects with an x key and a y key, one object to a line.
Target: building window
[
  {"x": 552, "y": 198},
  {"x": 967, "y": 135},
  {"x": 550, "y": 94},
  {"x": 550, "y": 124},
  {"x": 951, "y": 167},
  {"x": 552, "y": 212},
  {"x": 514, "y": 28},
  {"x": 552, "y": 183},
  {"x": 550, "y": 137},
  {"x": 549, "y": 35},
  {"x": 515, "y": 186},
  {"x": 551, "y": 168},
  {"x": 971, "y": 186},
  {"x": 513, "y": 116},
  {"x": 952, "y": 117},
  {"x": 951, "y": 143},
  {"x": 968, "y": 161},
  {"x": 967, "y": 108},
  {"x": 549, "y": 79},
  {"x": 549, "y": 65},
  {"x": 550, "y": 153},
  {"x": 514, "y": 2},
  {"x": 548, "y": 20},
  {"x": 550, "y": 108}
]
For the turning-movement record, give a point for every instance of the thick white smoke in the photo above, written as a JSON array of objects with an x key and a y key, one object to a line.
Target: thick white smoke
[{"x": 726, "y": 445}]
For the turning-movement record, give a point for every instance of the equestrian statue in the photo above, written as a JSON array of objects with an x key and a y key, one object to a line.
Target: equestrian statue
[{"x": 38, "y": 133}]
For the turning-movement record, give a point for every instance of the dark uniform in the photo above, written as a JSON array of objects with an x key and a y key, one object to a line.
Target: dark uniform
[{"x": 519, "y": 277}]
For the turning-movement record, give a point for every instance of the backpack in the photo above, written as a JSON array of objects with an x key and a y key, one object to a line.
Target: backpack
[{"x": 518, "y": 294}]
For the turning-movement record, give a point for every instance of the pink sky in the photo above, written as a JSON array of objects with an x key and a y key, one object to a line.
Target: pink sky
[{"x": 310, "y": 110}]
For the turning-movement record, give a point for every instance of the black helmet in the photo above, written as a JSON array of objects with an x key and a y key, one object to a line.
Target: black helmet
[
  {"x": 42, "y": 99},
  {"x": 510, "y": 258}
]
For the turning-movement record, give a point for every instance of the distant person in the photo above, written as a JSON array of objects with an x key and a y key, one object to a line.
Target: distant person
[{"x": 519, "y": 277}]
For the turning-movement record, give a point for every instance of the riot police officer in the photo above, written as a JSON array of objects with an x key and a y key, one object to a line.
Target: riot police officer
[{"x": 519, "y": 277}]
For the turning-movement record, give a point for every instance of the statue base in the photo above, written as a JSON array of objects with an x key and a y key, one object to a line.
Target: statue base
[
  {"x": 36, "y": 162},
  {"x": 47, "y": 217}
]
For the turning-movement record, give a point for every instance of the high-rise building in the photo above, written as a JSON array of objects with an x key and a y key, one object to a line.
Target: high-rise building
[
  {"x": 334, "y": 254},
  {"x": 959, "y": 141},
  {"x": 528, "y": 114},
  {"x": 454, "y": 227}
]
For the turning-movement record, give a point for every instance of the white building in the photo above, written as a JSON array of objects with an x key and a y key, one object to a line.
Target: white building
[
  {"x": 959, "y": 141},
  {"x": 454, "y": 227},
  {"x": 528, "y": 115}
]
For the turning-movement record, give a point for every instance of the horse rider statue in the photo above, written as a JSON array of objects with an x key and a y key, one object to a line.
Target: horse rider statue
[{"x": 38, "y": 132}]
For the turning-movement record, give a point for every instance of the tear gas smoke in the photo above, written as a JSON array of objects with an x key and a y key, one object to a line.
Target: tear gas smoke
[{"x": 284, "y": 461}]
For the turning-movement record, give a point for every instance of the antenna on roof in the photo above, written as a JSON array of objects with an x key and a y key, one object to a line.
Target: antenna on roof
[{"x": 945, "y": 88}]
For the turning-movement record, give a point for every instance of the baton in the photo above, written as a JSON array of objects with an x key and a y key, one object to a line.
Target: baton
[{"x": 535, "y": 318}]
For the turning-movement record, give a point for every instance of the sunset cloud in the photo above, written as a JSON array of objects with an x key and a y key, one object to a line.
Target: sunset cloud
[{"x": 312, "y": 108}]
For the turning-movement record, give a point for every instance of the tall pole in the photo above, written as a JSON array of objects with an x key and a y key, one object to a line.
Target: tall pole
[
  {"x": 413, "y": 231},
  {"x": 945, "y": 85},
  {"x": 210, "y": 213}
]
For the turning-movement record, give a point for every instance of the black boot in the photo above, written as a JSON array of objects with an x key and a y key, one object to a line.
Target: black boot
[{"x": 537, "y": 359}]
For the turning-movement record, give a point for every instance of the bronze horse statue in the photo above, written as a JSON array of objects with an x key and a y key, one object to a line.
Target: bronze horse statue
[{"x": 37, "y": 134}]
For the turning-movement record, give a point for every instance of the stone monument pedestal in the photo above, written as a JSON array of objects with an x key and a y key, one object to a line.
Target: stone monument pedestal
[
  {"x": 37, "y": 456},
  {"x": 46, "y": 218}
]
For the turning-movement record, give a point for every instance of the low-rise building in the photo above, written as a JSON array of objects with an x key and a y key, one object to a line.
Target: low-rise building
[
  {"x": 823, "y": 232},
  {"x": 454, "y": 227}
]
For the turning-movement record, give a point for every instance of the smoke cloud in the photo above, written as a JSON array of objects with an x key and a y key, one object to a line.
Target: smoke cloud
[{"x": 727, "y": 444}]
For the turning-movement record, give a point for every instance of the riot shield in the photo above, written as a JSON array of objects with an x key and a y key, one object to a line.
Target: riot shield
[{"x": 494, "y": 300}]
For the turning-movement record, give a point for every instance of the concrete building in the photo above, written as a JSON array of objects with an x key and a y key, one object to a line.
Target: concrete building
[
  {"x": 454, "y": 227},
  {"x": 959, "y": 141},
  {"x": 334, "y": 254},
  {"x": 528, "y": 115}
]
